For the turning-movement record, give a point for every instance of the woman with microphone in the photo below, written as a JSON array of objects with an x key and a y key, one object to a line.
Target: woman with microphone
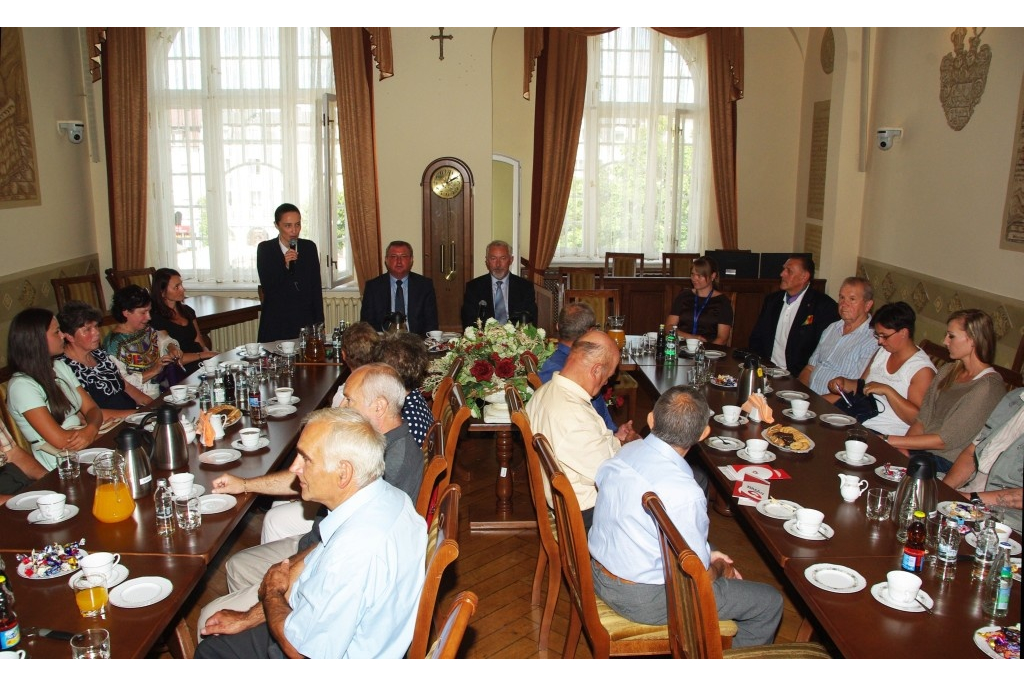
[{"x": 289, "y": 270}]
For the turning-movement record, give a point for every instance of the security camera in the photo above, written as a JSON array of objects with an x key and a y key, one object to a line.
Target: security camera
[
  {"x": 75, "y": 130},
  {"x": 887, "y": 136}
]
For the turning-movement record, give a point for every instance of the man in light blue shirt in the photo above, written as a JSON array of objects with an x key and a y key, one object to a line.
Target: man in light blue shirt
[
  {"x": 625, "y": 555},
  {"x": 846, "y": 346},
  {"x": 355, "y": 594}
]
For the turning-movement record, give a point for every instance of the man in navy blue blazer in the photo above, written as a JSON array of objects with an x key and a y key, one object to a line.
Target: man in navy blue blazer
[
  {"x": 517, "y": 293},
  {"x": 400, "y": 290}
]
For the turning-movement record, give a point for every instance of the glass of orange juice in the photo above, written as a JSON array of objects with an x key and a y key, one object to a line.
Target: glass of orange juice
[{"x": 91, "y": 595}]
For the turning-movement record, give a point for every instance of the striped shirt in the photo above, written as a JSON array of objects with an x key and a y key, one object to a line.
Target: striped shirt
[{"x": 841, "y": 355}]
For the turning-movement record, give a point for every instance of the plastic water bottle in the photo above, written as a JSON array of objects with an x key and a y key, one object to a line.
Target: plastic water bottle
[
  {"x": 947, "y": 549},
  {"x": 987, "y": 544},
  {"x": 163, "y": 501},
  {"x": 998, "y": 584},
  {"x": 670, "y": 346},
  {"x": 205, "y": 394}
]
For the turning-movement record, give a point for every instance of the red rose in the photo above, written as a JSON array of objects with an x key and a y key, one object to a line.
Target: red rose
[
  {"x": 481, "y": 370},
  {"x": 506, "y": 368}
]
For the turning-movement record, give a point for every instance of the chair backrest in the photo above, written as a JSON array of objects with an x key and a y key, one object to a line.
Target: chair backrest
[
  {"x": 572, "y": 547},
  {"x": 677, "y": 263},
  {"x": 1018, "y": 359},
  {"x": 435, "y": 469},
  {"x": 732, "y": 303},
  {"x": 1010, "y": 377},
  {"x": 439, "y": 398},
  {"x": 121, "y": 278},
  {"x": 454, "y": 415},
  {"x": 581, "y": 277},
  {"x": 12, "y": 427},
  {"x": 604, "y": 302},
  {"x": 534, "y": 470},
  {"x": 529, "y": 363},
  {"x": 692, "y": 612},
  {"x": 442, "y": 550},
  {"x": 86, "y": 288},
  {"x": 545, "y": 307},
  {"x": 624, "y": 264},
  {"x": 937, "y": 353},
  {"x": 449, "y": 637}
]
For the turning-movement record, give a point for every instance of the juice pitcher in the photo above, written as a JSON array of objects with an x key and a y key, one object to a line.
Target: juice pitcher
[{"x": 113, "y": 500}]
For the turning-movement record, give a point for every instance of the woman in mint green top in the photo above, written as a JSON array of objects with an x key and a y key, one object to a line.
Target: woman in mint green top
[{"x": 50, "y": 407}]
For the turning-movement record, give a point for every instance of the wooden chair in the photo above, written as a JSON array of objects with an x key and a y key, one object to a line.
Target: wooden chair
[
  {"x": 86, "y": 288},
  {"x": 442, "y": 550},
  {"x": 1010, "y": 377},
  {"x": 677, "y": 263},
  {"x": 604, "y": 302},
  {"x": 624, "y": 264},
  {"x": 1018, "y": 359},
  {"x": 5, "y": 416},
  {"x": 435, "y": 468},
  {"x": 732, "y": 303},
  {"x": 449, "y": 637},
  {"x": 937, "y": 353},
  {"x": 443, "y": 390},
  {"x": 454, "y": 416},
  {"x": 694, "y": 629},
  {"x": 123, "y": 277},
  {"x": 581, "y": 277},
  {"x": 609, "y": 633},
  {"x": 529, "y": 363},
  {"x": 547, "y": 553},
  {"x": 545, "y": 308}
]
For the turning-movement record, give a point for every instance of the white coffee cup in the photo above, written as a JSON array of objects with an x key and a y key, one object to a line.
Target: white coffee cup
[
  {"x": 757, "y": 449},
  {"x": 856, "y": 450},
  {"x": 808, "y": 521},
  {"x": 902, "y": 587},
  {"x": 1003, "y": 532},
  {"x": 100, "y": 564},
  {"x": 13, "y": 654},
  {"x": 51, "y": 507},
  {"x": 181, "y": 484},
  {"x": 252, "y": 349},
  {"x": 799, "y": 408},
  {"x": 284, "y": 395},
  {"x": 691, "y": 345},
  {"x": 210, "y": 365},
  {"x": 731, "y": 413},
  {"x": 250, "y": 436},
  {"x": 288, "y": 346},
  {"x": 434, "y": 335},
  {"x": 179, "y": 392}
]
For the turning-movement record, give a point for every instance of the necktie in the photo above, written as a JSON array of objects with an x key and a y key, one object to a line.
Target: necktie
[
  {"x": 500, "y": 312},
  {"x": 399, "y": 297}
]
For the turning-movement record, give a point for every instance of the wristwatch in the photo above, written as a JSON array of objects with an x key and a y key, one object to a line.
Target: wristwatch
[{"x": 975, "y": 499}]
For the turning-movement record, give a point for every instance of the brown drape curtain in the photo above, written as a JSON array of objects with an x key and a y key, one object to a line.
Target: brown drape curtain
[
  {"x": 561, "y": 59},
  {"x": 126, "y": 130},
  {"x": 354, "y": 51}
]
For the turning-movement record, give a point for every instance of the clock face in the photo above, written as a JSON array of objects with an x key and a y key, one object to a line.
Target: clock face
[{"x": 446, "y": 182}]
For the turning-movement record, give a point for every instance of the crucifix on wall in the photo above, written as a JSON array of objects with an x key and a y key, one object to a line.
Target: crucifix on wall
[{"x": 441, "y": 38}]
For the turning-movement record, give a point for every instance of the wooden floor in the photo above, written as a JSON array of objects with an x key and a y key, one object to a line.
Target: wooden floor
[{"x": 498, "y": 567}]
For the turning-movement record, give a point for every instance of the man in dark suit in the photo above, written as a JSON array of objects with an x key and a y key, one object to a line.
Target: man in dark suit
[
  {"x": 517, "y": 300},
  {"x": 400, "y": 290},
  {"x": 792, "y": 320}
]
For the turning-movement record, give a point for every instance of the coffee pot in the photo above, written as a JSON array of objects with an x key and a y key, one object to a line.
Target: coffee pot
[
  {"x": 133, "y": 459},
  {"x": 170, "y": 444},
  {"x": 916, "y": 492},
  {"x": 751, "y": 379}
]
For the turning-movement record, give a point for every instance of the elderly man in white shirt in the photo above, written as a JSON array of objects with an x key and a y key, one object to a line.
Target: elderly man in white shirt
[{"x": 847, "y": 346}]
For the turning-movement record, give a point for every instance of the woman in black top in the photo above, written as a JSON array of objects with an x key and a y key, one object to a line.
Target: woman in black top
[
  {"x": 702, "y": 312},
  {"x": 171, "y": 315}
]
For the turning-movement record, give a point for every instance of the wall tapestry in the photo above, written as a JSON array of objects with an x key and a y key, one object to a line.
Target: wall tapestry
[
  {"x": 19, "y": 180},
  {"x": 1013, "y": 218},
  {"x": 962, "y": 77}
]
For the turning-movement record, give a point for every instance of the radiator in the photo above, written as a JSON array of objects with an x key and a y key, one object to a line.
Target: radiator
[{"x": 335, "y": 309}]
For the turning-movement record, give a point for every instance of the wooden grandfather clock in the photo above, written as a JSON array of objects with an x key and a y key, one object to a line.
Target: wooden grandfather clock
[{"x": 447, "y": 188}]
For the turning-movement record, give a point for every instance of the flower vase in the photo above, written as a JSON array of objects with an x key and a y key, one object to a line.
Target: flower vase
[{"x": 496, "y": 408}]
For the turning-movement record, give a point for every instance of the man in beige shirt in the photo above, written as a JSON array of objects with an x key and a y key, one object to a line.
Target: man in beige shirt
[{"x": 561, "y": 410}]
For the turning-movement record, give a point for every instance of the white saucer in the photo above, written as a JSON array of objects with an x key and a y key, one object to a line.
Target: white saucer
[
  {"x": 896, "y": 476},
  {"x": 838, "y": 419},
  {"x": 277, "y": 411},
  {"x": 70, "y": 511},
  {"x": 792, "y": 395},
  {"x": 140, "y": 592},
  {"x": 775, "y": 372},
  {"x": 779, "y": 509},
  {"x": 221, "y": 456},
  {"x": 742, "y": 421},
  {"x": 136, "y": 418},
  {"x": 835, "y": 578},
  {"x": 972, "y": 540},
  {"x": 724, "y": 444},
  {"x": 26, "y": 501},
  {"x": 867, "y": 461},
  {"x": 806, "y": 417},
  {"x": 880, "y": 592},
  {"x": 742, "y": 454},
  {"x": 260, "y": 444},
  {"x": 295, "y": 400},
  {"x": 790, "y": 527},
  {"x": 197, "y": 491},
  {"x": 713, "y": 354},
  {"x": 215, "y": 504},
  {"x": 169, "y": 399},
  {"x": 118, "y": 576},
  {"x": 88, "y": 456}
]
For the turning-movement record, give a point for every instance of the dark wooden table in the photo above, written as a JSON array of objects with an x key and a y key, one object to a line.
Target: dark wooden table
[
  {"x": 214, "y": 311},
  {"x": 509, "y": 511}
]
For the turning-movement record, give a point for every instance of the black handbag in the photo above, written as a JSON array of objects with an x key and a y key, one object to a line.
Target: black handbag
[{"x": 860, "y": 406}]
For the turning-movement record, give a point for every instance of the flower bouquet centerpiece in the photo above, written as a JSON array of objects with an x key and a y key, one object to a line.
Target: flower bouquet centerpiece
[{"x": 492, "y": 361}]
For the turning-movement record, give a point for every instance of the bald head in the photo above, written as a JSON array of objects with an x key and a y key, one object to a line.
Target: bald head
[{"x": 592, "y": 361}]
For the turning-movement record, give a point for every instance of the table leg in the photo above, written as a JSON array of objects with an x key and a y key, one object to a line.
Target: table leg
[
  {"x": 505, "y": 514},
  {"x": 503, "y": 484}
]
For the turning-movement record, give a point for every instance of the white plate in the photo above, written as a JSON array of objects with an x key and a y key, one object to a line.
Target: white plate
[
  {"x": 110, "y": 424},
  {"x": 806, "y": 417},
  {"x": 88, "y": 456},
  {"x": 965, "y": 510},
  {"x": 295, "y": 400},
  {"x": 790, "y": 527},
  {"x": 713, "y": 354},
  {"x": 742, "y": 421},
  {"x": 215, "y": 504},
  {"x": 775, "y": 372},
  {"x": 218, "y": 457},
  {"x": 835, "y": 578},
  {"x": 26, "y": 501},
  {"x": 880, "y": 592},
  {"x": 782, "y": 509},
  {"x": 233, "y": 366},
  {"x": 720, "y": 442},
  {"x": 742, "y": 454},
  {"x": 169, "y": 399},
  {"x": 792, "y": 395},
  {"x": 727, "y": 385},
  {"x": 140, "y": 592},
  {"x": 972, "y": 540},
  {"x": 983, "y": 644},
  {"x": 118, "y": 576},
  {"x": 895, "y": 475},
  {"x": 70, "y": 511},
  {"x": 810, "y": 446},
  {"x": 21, "y": 571},
  {"x": 838, "y": 419},
  {"x": 240, "y": 351},
  {"x": 136, "y": 418},
  {"x": 759, "y": 472},
  {"x": 260, "y": 444},
  {"x": 277, "y": 411},
  {"x": 867, "y": 461}
]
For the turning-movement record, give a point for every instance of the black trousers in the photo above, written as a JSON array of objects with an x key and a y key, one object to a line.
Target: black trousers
[{"x": 255, "y": 643}]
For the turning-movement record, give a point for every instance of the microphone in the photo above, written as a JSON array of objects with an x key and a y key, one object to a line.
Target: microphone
[
  {"x": 293, "y": 244},
  {"x": 481, "y": 311}
]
